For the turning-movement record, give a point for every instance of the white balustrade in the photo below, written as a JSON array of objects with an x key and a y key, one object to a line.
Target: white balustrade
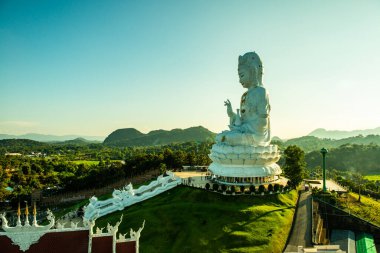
[{"x": 128, "y": 196}]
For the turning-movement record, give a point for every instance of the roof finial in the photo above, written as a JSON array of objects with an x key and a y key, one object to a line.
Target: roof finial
[
  {"x": 26, "y": 214},
  {"x": 26, "y": 208},
  {"x": 18, "y": 215},
  {"x": 34, "y": 215},
  {"x": 19, "y": 209}
]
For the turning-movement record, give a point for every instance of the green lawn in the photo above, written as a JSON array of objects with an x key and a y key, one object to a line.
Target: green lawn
[
  {"x": 193, "y": 220},
  {"x": 86, "y": 162},
  {"x": 90, "y": 162},
  {"x": 373, "y": 177}
]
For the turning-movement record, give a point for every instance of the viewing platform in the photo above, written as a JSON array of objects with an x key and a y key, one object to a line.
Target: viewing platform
[{"x": 330, "y": 185}]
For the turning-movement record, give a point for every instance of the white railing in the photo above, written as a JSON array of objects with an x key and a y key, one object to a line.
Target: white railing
[{"x": 128, "y": 196}]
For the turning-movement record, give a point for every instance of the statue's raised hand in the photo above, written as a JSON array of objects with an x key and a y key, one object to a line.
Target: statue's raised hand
[{"x": 229, "y": 108}]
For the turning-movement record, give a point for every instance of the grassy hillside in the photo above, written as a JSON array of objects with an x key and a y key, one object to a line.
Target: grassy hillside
[
  {"x": 367, "y": 209},
  {"x": 193, "y": 220}
]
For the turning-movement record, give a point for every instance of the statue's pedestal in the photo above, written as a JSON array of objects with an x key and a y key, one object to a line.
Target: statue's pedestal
[{"x": 245, "y": 165}]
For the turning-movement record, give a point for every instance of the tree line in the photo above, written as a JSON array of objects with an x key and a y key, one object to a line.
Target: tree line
[
  {"x": 24, "y": 174},
  {"x": 56, "y": 169}
]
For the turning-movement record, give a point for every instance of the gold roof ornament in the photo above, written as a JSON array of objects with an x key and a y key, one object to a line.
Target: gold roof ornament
[
  {"x": 18, "y": 209},
  {"x": 35, "y": 215},
  {"x": 19, "y": 215},
  {"x": 26, "y": 214},
  {"x": 26, "y": 235},
  {"x": 26, "y": 208}
]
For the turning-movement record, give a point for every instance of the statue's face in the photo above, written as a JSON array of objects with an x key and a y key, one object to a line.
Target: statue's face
[{"x": 245, "y": 76}]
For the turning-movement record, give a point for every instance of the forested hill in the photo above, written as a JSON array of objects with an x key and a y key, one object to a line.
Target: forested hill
[
  {"x": 311, "y": 143},
  {"x": 19, "y": 145},
  {"x": 132, "y": 137},
  {"x": 350, "y": 157},
  {"x": 26, "y": 146}
]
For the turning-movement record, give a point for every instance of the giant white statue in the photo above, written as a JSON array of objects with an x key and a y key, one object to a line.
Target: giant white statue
[
  {"x": 251, "y": 125},
  {"x": 244, "y": 154}
]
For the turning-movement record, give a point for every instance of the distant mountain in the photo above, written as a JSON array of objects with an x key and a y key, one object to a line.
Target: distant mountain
[
  {"x": 132, "y": 137},
  {"x": 337, "y": 134},
  {"x": 49, "y": 138},
  {"x": 122, "y": 135},
  {"x": 311, "y": 143},
  {"x": 78, "y": 141}
]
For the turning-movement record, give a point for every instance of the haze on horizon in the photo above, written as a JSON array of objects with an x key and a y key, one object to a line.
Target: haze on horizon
[{"x": 90, "y": 67}]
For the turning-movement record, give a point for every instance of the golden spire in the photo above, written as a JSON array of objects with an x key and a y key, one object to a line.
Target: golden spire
[
  {"x": 35, "y": 215},
  {"x": 18, "y": 210},
  {"x": 34, "y": 209},
  {"x": 18, "y": 215},
  {"x": 26, "y": 209}
]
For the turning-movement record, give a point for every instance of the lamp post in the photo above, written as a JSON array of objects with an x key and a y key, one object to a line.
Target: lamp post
[{"x": 324, "y": 152}]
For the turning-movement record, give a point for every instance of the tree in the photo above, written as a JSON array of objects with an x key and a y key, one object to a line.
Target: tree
[
  {"x": 169, "y": 158},
  {"x": 162, "y": 168},
  {"x": 4, "y": 179},
  {"x": 295, "y": 164},
  {"x": 359, "y": 181}
]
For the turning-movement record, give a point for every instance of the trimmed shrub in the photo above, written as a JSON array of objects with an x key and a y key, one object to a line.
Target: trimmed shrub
[
  {"x": 233, "y": 188},
  {"x": 270, "y": 187},
  {"x": 242, "y": 189},
  {"x": 215, "y": 187},
  {"x": 252, "y": 189},
  {"x": 276, "y": 187},
  {"x": 261, "y": 188},
  {"x": 207, "y": 186},
  {"x": 224, "y": 187}
]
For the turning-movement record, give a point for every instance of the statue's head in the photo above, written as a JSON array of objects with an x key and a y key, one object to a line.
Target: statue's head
[{"x": 250, "y": 70}]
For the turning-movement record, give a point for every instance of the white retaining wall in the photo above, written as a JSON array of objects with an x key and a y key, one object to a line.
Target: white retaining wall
[{"x": 129, "y": 196}]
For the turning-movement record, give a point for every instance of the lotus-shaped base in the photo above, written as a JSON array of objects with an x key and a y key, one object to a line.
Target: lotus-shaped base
[{"x": 244, "y": 161}]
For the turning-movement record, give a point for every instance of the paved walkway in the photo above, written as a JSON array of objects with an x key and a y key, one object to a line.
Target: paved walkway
[
  {"x": 330, "y": 185},
  {"x": 301, "y": 233},
  {"x": 187, "y": 174}
]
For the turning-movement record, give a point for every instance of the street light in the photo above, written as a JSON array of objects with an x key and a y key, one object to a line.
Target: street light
[{"x": 324, "y": 152}]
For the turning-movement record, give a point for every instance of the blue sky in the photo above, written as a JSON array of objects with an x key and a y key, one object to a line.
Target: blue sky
[{"x": 90, "y": 67}]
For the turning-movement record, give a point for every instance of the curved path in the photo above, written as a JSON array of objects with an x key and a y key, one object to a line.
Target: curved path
[{"x": 301, "y": 232}]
